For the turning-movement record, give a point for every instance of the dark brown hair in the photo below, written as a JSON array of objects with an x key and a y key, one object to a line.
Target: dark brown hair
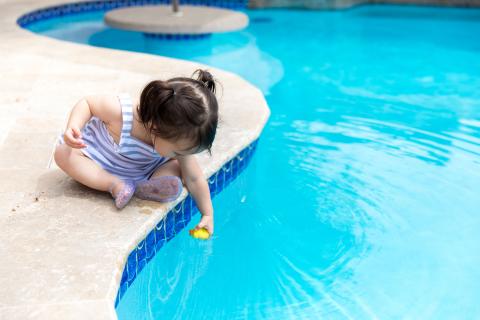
[{"x": 181, "y": 107}]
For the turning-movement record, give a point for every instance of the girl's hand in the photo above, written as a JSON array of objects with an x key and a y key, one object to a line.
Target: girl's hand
[
  {"x": 206, "y": 222},
  {"x": 73, "y": 138}
]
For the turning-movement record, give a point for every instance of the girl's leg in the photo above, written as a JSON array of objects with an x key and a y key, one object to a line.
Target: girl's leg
[
  {"x": 89, "y": 173},
  {"x": 170, "y": 168},
  {"x": 164, "y": 185}
]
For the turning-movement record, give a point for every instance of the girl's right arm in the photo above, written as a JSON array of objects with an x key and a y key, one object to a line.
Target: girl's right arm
[
  {"x": 104, "y": 107},
  {"x": 79, "y": 115}
]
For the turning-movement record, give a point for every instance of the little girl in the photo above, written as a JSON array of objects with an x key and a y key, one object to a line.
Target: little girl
[{"x": 142, "y": 148}]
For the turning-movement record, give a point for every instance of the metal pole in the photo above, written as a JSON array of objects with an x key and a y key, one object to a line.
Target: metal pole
[{"x": 175, "y": 4}]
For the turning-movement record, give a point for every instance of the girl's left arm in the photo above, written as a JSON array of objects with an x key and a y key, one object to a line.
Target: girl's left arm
[{"x": 197, "y": 185}]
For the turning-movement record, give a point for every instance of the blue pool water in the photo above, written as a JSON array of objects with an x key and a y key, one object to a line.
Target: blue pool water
[{"x": 362, "y": 201}]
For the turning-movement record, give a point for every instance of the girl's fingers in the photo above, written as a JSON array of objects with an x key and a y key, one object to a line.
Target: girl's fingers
[
  {"x": 72, "y": 142},
  {"x": 68, "y": 138},
  {"x": 76, "y": 133},
  {"x": 74, "y": 145},
  {"x": 79, "y": 145},
  {"x": 72, "y": 138},
  {"x": 206, "y": 226}
]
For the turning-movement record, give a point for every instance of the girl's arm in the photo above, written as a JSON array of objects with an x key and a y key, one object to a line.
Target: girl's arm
[
  {"x": 104, "y": 107},
  {"x": 197, "y": 185}
]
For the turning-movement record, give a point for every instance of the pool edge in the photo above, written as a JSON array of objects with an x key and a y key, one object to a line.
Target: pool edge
[{"x": 55, "y": 304}]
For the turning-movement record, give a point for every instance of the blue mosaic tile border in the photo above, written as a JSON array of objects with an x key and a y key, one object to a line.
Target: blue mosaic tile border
[
  {"x": 166, "y": 36},
  {"x": 177, "y": 218},
  {"x": 106, "y": 5}
]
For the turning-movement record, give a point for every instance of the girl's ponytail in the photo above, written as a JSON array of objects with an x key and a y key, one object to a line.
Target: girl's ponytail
[
  {"x": 206, "y": 78},
  {"x": 155, "y": 101}
]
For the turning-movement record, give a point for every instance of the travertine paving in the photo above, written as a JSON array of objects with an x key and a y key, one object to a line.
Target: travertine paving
[{"x": 63, "y": 246}]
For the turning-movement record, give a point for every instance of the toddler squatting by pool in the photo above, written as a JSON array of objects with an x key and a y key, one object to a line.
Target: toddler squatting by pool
[{"x": 113, "y": 143}]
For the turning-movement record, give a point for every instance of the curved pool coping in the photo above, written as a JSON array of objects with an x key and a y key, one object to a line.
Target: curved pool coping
[{"x": 65, "y": 247}]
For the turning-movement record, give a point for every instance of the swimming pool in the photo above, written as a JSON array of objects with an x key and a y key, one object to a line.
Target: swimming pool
[{"x": 361, "y": 201}]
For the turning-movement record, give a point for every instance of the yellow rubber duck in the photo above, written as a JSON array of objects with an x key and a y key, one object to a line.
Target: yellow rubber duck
[{"x": 200, "y": 233}]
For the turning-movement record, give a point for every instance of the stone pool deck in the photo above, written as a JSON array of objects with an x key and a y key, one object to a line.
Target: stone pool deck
[{"x": 63, "y": 246}]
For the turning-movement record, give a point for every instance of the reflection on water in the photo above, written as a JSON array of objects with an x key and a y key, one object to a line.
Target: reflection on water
[{"x": 362, "y": 199}]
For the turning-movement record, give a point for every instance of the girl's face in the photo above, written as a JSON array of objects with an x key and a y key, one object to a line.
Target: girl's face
[{"x": 171, "y": 149}]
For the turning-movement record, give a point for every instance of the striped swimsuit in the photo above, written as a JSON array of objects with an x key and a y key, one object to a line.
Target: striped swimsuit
[{"x": 130, "y": 158}]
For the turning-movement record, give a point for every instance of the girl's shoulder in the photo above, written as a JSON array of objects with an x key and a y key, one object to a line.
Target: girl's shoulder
[{"x": 106, "y": 107}]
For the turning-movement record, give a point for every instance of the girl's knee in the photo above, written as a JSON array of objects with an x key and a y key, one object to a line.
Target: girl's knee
[
  {"x": 175, "y": 164},
  {"x": 170, "y": 168},
  {"x": 174, "y": 167},
  {"x": 61, "y": 155}
]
